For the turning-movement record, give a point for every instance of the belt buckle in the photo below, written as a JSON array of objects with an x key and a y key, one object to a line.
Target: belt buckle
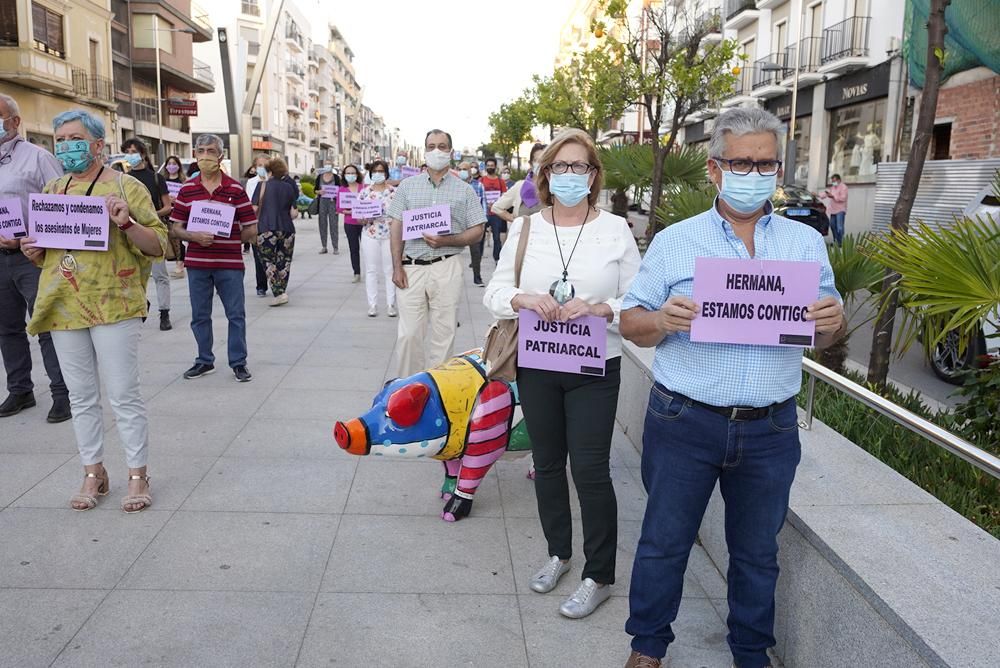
[{"x": 734, "y": 413}]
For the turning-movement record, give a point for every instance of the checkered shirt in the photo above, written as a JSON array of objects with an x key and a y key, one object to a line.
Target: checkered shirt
[{"x": 419, "y": 191}]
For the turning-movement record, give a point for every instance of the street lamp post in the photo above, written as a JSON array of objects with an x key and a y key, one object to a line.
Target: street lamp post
[{"x": 160, "y": 151}]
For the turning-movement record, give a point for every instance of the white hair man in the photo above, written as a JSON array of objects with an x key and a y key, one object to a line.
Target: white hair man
[{"x": 24, "y": 168}]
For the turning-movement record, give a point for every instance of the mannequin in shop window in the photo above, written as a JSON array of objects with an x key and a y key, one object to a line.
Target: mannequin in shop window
[{"x": 871, "y": 145}]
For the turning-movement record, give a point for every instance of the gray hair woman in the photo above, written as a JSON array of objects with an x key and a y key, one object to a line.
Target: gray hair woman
[{"x": 93, "y": 302}]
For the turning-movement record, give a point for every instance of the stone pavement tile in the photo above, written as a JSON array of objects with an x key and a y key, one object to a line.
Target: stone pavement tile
[
  {"x": 68, "y": 549},
  {"x": 329, "y": 405},
  {"x": 519, "y": 493},
  {"x": 345, "y": 355},
  {"x": 242, "y": 484},
  {"x": 172, "y": 479},
  {"x": 182, "y": 435},
  {"x": 28, "y": 432},
  {"x": 683, "y": 656},
  {"x": 236, "y": 551},
  {"x": 706, "y": 573},
  {"x": 21, "y": 472},
  {"x": 415, "y": 631},
  {"x": 553, "y": 640},
  {"x": 386, "y": 487},
  {"x": 154, "y": 376},
  {"x": 203, "y": 628},
  {"x": 419, "y": 555},
  {"x": 180, "y": 351},
  {"x": 363, "y": 376},
  {"x": 35, "y": 624},
  {"x": 623, "y": 453},
  {"x": 275, "y": 437},
  {"x": 199, "y": 402}
]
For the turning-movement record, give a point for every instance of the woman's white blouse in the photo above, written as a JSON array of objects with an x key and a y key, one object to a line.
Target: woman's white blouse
[{"x": 603, "y": 266}]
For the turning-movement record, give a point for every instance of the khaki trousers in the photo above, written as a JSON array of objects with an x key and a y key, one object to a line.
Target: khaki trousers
[{"x": 428, "y": 313}]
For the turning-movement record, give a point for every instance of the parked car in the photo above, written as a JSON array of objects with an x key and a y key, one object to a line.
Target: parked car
[{"x": 797, "y": 203}]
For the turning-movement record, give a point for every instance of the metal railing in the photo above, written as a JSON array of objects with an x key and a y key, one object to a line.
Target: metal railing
[
  {"x": 203, "y": 72},
  {"x": 93, "y": 86},
  {"x": 907, "y": 419},
  {"x": 734, "y": 7},
  {"x": 847, "y": 39},
  {"x": 744, "y": 81},
  {"x": 200, "y": 17},
  {"x": 769, "y": 77},
  {"x": 810, "y": 58}
]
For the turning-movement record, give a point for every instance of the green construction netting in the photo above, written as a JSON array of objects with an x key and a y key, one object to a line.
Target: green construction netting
[{"x": 973, "y": 36}]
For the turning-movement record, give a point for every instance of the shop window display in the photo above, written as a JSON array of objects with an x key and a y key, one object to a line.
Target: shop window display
[{"x": 856, "y": 141}]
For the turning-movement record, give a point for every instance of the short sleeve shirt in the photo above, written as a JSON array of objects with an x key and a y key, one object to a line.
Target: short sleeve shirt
[
  {"x": 419, "y": 191},
  {"x": 223, "y": 253}
]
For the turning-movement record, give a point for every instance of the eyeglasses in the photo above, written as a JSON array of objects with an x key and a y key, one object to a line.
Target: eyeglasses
[
  {"x": 560, "y": 167},
  {"x": 742, "y": 166}
]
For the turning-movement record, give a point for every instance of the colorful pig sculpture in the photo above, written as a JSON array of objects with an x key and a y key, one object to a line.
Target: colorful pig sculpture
[{"x": 452, "y": 413}]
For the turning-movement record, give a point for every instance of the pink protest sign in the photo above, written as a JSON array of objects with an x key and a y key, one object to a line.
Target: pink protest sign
[
  {"x": 212, "y": 217},
  {"x": 12, "y": 223},
  {"x": 428, "y": 220},
  {"x": 367, "y": 208},
  {"x": 173, "y": 187},
  {"x": 577, "y": 346},
  {"x": 346, "y": 200},
  {"x": 407, "y": 171},
  {"x": 759, "y": 302},
  {"x": 68, "y": 221},
  {"x": 492, "y": 196},
  {"x": 329, "y": 191}
]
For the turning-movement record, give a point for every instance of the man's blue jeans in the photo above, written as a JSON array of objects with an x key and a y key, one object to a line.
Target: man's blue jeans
[
  {"x": 837, "y": 226},
  {"x": 686, "y": 450},
  {"x": 202, "y": 284}
]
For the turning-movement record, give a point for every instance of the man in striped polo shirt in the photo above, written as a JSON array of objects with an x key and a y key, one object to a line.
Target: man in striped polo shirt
[
  {"x": 214, "y": 262},
  {"x": 427, "y": 270}
]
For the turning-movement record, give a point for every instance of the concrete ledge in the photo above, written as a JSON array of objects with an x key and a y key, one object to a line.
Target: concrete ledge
[{"x": 874, "y": 571}]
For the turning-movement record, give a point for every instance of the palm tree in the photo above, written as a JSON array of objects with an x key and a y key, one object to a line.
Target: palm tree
[
  {"x": 630, "y": 166},
  {"x": 857, "y": 278}
]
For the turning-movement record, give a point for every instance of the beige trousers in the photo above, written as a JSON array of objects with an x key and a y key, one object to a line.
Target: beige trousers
[{"x": 428, "y": 313}]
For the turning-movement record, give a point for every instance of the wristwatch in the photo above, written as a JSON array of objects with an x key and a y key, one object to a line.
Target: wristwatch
[{"x": 127, "y": 225}]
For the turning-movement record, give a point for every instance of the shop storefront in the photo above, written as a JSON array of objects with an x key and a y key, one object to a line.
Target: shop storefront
[
  {"x": 857, "y": 104},
  {"x": 782, "y": 108},
  {"x": 695, "y": 135}
]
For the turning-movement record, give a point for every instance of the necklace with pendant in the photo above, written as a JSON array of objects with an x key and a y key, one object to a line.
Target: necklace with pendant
[
  {"x": 67, "y": 264},
  {"x": 562, "y": 290}
]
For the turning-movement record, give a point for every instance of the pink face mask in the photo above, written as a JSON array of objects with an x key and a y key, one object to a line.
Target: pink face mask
[{"x": 172, "y": 168}]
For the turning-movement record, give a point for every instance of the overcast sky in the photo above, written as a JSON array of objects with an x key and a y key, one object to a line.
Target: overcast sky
[{"x": 446, "y": 63}]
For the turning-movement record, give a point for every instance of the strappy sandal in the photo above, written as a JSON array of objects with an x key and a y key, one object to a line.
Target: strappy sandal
[
  {"x": 89, "y": 500},
  {"x": 145, "y": 499}
]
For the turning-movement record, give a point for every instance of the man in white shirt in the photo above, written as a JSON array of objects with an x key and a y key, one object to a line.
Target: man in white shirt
[{"x": 24, "y": 169}]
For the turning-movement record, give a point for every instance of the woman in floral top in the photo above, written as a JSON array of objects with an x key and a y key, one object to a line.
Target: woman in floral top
[
  {"x": 375, "y": 241},
  {"x": 93, "y": 303}
]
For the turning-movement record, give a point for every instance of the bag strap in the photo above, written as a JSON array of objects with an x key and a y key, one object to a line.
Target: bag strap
[{"x": 522, "y": 246}]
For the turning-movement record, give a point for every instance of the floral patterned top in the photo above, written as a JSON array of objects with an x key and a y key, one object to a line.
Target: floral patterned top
[
  {"x": 378, "y": 228},
  {"x": 98, "y": 287}
]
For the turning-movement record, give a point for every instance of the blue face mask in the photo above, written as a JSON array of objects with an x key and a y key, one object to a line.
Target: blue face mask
[
  {"x": 569, "y": 188},
  {"x": 378, "y": 177},
  {"x": 133, "y": 159},
  {"x": 351, "y": 178},
  {"x": 464, "y": 175},
  {"x": 400, "y": 161},
  {"x": 74, "y": 154},
  {"x": 262, "y": 172},
  {"x": 747, "y": 193}
]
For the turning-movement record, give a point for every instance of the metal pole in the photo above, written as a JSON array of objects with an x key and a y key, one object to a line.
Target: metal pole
[
  {"x": 160, "y": 154},
  {"x": 807, "y": 423},
  {"x": 790, "y": 153},
  {"x": 246, "y": 114}
]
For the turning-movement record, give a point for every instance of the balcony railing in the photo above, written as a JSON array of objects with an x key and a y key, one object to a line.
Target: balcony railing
[
  {"x": 296, "y": 69},
  {"x": 203, "y": 72},
  {"x": 200, "y": 17},
  {"x": 297, "y": 135},
  {"x": 847, "y": 39},
  {"x": 810, "y": 58},
  {"x": 744, "y": 81},
  {"x": 711, "y": 20},
  {"x": 92, "y": 86},
  {"x": 769, "y": 70},
  {"x": 734, "y": 7}
]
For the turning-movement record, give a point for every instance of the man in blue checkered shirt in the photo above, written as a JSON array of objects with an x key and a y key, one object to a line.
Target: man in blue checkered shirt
[{"x": 720, "y": 412}]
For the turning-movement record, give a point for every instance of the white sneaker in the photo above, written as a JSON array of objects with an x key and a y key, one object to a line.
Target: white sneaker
[
  {"x": 547, "y": 578},
  {"x": 372, "y": 311},
  {"x": 585, "y": 599},
  {"x": 391, "y": 311},
  {"x": 280, "y": 300}
]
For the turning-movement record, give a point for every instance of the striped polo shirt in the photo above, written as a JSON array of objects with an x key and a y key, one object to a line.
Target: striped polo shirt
[
  {"x": 419, "y": 191},
  {"x": 223, "y": 253}
]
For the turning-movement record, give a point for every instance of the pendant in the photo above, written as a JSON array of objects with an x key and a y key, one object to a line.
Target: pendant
[
  {"x": 68, "y": 264},
  {"x": 562, "y": 291}
]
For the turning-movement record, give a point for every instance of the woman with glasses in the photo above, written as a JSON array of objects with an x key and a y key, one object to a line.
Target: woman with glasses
[
  {"x": 579, "y": 261},
  {"x": 375, "y": 247},
  {"x": 93, "y": 302}
]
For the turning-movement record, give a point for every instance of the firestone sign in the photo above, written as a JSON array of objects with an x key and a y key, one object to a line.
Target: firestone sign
[{"x": 182, "y": 107}]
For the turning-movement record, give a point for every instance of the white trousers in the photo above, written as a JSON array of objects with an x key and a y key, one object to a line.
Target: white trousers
[
  {"x": 162, "y": 281},
  {"x": 428, "y": 313},
  {"x": 108, "y": 353},
  {"x": 376, "y": 255}
]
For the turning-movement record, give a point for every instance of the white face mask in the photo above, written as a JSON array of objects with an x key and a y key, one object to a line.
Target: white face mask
[{"x": 437, "y": 159}]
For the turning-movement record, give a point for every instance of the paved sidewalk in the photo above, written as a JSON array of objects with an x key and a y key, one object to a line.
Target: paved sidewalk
[{"x": 269, "y": 546}]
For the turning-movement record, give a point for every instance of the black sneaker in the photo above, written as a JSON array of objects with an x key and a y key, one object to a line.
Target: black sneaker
[
  {"x": 242, "y": 374},
  {"x": 15, "y": 403},
  {"x": 199, "y": 370},
  {"x": 60, "y": 410},
  {"x": 165, "y": 321}
]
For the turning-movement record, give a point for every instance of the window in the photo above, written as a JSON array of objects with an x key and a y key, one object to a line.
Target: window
[
  {"x": 856, "y": 141},
  {"x": 45, "y": 141},
  {"x": 8, "y": 22},
  {"x": 47, "y": 30},
  {"x": 941, "y": 142},
  {"x": 250, "y": 7},
  {"x": 147, "y": 28}
]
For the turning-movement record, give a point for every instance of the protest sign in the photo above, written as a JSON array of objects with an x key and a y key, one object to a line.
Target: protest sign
[
  {"x": 428, "y": 220},
  {"x": 329, "y": 191},
  {"x": 408, "y": 171},
  {"x": 492, "y": 196},
  {"x": 346, "y": 200},
  {"x": 12, "y": 224},
  {"x": 754, "y": 301},
  {"x": 367, "y": 208},
  {"x": 173, "y": 187},
  {"x": 68, "y": 221},
  {"x": 577, "y": 346},
  {"x": 212, "y": 217}
]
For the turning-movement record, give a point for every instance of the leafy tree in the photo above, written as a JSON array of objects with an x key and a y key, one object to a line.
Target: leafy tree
[
  {"x": 512, "y": 125},
  {"x": 668, "y": 70},
  {"x": 585, "y": 94}
]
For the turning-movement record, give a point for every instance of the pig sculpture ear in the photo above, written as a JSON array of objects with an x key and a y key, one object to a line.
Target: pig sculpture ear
[{"x": 406, "y": 404}]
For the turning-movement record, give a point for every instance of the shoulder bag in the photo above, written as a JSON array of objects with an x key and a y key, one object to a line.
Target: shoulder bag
[{"x": 500, "y": 351}]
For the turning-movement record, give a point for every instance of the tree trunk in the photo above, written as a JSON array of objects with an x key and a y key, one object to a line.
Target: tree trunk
[
  {"x": 656, "y": 188},
  {"x": 619, "y": 203},
  {"x": 878, "y": 362}
]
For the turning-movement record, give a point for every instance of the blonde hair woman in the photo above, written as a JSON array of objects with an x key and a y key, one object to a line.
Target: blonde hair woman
[{"x": 579, "y": 261}]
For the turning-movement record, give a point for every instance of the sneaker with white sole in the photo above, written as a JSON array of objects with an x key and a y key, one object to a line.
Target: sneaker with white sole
[
  {"x": 372, "y": 311},
  {"x": 280, "y": 300},
  {"x": 585, "y": 599},
  {"x": 546, "y": 579},
  {"x": 391, "y": 311}
]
